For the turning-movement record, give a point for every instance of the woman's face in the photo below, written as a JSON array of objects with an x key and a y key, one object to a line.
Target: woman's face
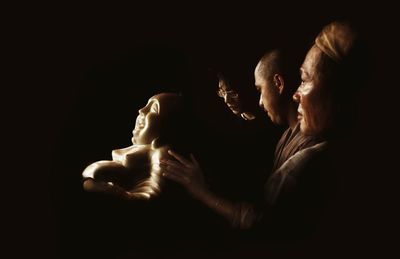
[
  {"x": 147, "y": 125},
  {"x": 313, "y": 96}
]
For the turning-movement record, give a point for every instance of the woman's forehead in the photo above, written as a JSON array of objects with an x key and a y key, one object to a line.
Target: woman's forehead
[{"x": 311, "y": 61}]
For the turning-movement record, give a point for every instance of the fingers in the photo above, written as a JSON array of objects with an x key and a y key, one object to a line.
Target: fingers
[
  {"x": 174, "y": 171},
  {"x": 172, "y": 166},
  {"x": 194, "y": 160},
  {"x": 176, "y": 177},
  {"x": 180, "y": 158}
]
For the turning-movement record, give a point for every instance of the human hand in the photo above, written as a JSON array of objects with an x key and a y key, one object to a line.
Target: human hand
[{"x": 185, "y": 172}]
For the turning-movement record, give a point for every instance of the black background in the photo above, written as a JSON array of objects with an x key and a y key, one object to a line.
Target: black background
[{"x": 71, "y": 63}]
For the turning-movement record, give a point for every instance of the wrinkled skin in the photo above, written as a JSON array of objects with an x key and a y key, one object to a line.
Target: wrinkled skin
[{"x": 313, "y": 96}]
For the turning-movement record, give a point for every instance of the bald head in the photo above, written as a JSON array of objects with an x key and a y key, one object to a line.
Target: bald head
[
  {"x": 275, "y": 80},
  {"x": 270, "y": 64},
  {"x": 283, "y": 62}
]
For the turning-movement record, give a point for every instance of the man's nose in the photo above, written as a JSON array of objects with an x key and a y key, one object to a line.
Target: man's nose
[{"x": 297, "y": 97}]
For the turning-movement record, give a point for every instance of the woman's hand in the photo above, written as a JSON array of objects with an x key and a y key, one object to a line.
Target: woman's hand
[
  {"x": 189, "y": 174},
  {"x": 185, "y": 172}
]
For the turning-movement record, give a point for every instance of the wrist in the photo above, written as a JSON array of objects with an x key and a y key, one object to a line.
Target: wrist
[
  {"x": 200, "y": 193},
  {"x": 210, "y": 199}
]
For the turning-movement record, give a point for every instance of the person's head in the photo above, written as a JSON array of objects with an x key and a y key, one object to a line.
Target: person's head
[
  {"x": 274, "y": 79},
  {"x": 331, "y": 74},
  {"x": 158, "y": 119},
  {"x": 230, "y": 95},
  {"x": 239, "y": 100}
]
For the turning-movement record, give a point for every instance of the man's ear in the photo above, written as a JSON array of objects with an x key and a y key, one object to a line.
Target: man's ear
[{"x": 279, "y": 83}]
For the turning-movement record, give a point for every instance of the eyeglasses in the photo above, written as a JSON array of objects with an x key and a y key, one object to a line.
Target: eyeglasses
[{"x": 222, "y": 93}]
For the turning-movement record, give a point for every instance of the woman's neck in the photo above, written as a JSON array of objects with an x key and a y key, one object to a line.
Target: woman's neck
[{"x": 291, "y": 115}]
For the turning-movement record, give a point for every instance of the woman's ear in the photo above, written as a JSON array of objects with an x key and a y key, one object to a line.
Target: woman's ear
[{"x": 279, "y": 83}]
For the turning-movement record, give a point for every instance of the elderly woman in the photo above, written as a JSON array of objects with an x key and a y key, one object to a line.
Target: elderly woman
[
  {"x": 298, "y": 190},
  {"x": 331, "y": 75}
]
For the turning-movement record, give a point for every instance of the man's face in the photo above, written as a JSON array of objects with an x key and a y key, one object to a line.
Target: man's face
[
  {"x": 269, "y": 96},
  {"x": 147, "y": 122},
  {"x": 231, "y": 97},
  {"x": 315, "y": 107}
]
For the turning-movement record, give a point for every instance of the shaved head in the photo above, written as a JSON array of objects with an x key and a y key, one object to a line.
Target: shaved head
[
  {"x": 270, "y": 64},
  {"x": 283, "y": 63}
]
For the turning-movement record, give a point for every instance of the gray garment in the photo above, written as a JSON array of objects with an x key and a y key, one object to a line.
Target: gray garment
[
  {"x": 289, "y": 144},
  {"x": 300, "y": 182},
  {"x": 284, "y": 179}
]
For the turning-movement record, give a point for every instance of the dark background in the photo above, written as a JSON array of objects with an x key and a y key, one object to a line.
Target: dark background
[{"x": 77, "y": 71}]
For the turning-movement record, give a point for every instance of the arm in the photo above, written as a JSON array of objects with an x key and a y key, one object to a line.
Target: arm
[{"x": 189, "y": 174}]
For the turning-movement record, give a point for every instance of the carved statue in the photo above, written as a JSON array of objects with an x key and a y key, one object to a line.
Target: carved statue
[{"x": 134, "y": 172}]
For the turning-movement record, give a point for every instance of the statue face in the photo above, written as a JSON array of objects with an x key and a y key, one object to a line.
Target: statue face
[
  {"x": 147, "y": 125},
  {"x": 154, "y": 117},
  {"x": 134, "y": 171},
  {"x": 313, "y": 96},
  {"x": 231, "y": 97}
]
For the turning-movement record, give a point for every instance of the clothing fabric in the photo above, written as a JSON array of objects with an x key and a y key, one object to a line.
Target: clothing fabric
[
  {"x": 296, "y": 195},
  {"x": 289, "y": 144},
  {"x": 285, "y": 178}
]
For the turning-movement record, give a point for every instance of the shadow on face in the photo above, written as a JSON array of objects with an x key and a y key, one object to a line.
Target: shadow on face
[
  {"x": 230, "y": 96},
  {"x": 269, "y": 96}
]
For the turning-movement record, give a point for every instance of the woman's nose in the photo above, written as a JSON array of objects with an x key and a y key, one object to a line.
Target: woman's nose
[{"x": 260, "y": 103}]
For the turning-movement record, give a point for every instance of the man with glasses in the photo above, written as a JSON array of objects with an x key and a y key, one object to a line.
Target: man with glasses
[
  {"x": 232, "y": 99},
  {"x": 275, "y": 79}
]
